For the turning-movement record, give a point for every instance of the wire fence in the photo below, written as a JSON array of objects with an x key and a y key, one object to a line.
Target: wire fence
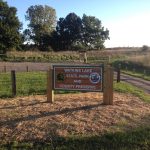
[
  {"x": 30, "y": 78},
  {"x": 26, "y": 83},
  {"x": 133, "y": 67}
]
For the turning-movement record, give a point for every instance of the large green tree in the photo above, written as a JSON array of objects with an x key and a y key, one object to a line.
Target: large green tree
[
  {"x": 93, "y": 33},
  {"x": 69, "y": 30},
  {"x": 9, "y": 28},
  {"x": 76, "y": 33},
  {"x": 42, "y": 22}
]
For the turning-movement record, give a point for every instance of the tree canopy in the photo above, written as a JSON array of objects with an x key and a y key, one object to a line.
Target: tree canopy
[
  {"x": 9, "y": 28},
  {"x": 93, "y": 34},
  {"x": 69, "y": 33},
  {"x": 42, "y": 21},
  {"x": 69, "y": 30},
  {"x": 87, "y": 33}
]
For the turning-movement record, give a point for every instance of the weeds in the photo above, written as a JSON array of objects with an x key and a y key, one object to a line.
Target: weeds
[{"x": 128, "y": 88}]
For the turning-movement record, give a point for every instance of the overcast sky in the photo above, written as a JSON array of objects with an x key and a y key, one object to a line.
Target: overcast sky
[{"x": 127, "y": 20}]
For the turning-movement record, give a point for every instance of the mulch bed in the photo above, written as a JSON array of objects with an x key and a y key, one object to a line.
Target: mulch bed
[{"x": 32, "y": 118}]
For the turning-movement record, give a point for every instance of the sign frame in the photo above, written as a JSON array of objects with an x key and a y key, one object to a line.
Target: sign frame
[{"x": 101, "y": 66}]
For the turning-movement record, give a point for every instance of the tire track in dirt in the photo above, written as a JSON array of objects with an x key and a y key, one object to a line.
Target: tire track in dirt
[{"x": 138, "y": 82}]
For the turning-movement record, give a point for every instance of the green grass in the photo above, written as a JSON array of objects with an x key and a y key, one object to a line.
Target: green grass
[
  {"x": 31, "y": 83},
  {"x": 27, "y": 83},
  {"x": 137, "y": 74},
  {"x": 5, "y": 85},
  {"x": 36, "y": 82},
  {"x": 137, "y": 139},
  {"x": 128, "y": 88}
]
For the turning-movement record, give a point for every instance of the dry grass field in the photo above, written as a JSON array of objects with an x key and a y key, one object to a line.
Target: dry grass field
[{"x": 142, "y": 59}]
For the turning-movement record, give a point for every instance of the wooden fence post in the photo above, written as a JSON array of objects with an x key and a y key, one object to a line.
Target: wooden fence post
[
  {"x": 118, "y": 75},
  {"x": 13, "y": 79},
  {"x": 85, "y": 57},
  {"x": 50, "y": 91},
  {"x": 5, "y": 69},
  {"x": 27, "y": 68},
  {"x": 144, "y": 72},
  {"x": 108, "y": 86},
  {"x": 109, "y": 58}
]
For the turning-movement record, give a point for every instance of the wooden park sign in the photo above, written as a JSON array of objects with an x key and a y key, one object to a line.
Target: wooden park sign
[{"x": 81, "y": 78}]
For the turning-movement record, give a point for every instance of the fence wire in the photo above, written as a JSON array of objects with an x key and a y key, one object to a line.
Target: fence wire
[{"x": 26, "y": 83}]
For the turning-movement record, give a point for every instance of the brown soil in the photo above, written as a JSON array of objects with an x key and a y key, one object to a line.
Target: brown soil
[{"x": 32, "y": 118}]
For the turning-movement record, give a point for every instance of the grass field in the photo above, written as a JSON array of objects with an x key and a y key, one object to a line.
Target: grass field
[
  {"x": 38, "y": 56},
  {"x": 26, "y": 83},
  {"x": 137, "y": 139},
  {"x": 29, "y": 83},
  {"x": 141, "y": 59},
  {"x": 128, "y": 88}
]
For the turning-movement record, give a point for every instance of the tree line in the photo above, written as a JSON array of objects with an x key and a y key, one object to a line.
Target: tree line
[{"x": 46, "y": 33}]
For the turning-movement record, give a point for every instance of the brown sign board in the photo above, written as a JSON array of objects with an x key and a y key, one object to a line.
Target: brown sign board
[{"x": 80, "y": 78}]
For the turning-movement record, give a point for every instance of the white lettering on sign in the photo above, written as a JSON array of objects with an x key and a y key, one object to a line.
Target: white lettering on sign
[
  {"x": 87, "y": 70},
  {"x": 66, "y": 86},
  {"x": 70, "y": 86},
  {"x": 78, "y": 78},
  {"x": 71, "y": 75},
  {"x": 74, "y": 70},
  {"x": 85, "y": 87},
  {"x": 83, "y": 76},
  {"x": 77, "y": 81}
]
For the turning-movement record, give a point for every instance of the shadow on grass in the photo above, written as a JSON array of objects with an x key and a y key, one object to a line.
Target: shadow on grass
[
  {"x": 45, "y": 114},
  {"x": 14, "y": 107},
  {"x": 32, "y": 91},
  {"x": 137, "y": 139}
]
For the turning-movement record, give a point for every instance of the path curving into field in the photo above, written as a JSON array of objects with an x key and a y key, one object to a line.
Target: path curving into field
[{"x": 138, "y": 82}]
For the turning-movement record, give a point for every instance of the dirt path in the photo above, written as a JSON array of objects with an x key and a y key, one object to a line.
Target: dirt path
[{"x": 138, "y": 82}]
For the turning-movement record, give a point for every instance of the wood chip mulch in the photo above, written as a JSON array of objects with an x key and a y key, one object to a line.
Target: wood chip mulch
[{"x": 32, "y": 118}]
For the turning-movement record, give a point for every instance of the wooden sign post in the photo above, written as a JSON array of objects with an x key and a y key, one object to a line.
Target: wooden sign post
[
  {"x": 108, "y": 86},
  {"x": 50, "y": 91},
  {"x": 81, "y": 78}
]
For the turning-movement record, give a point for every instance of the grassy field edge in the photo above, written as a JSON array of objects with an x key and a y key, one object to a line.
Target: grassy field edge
[
  {"x": 123, "y": 87},
  {"x": 137, "y": 139}
]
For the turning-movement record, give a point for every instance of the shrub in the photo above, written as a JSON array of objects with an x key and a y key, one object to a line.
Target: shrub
[{"x": 145, "y": 48}]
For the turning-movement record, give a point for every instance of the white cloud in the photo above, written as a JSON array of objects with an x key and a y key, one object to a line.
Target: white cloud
[{"x": 132, "y": 31}]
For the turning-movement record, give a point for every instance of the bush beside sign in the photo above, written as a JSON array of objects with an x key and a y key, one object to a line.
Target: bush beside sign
[{"x": 80, "y": 78}]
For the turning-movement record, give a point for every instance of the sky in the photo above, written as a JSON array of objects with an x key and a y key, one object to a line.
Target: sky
[{"x": 128, "y": 21}]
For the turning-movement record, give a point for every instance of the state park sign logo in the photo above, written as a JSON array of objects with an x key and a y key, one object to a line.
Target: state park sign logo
[{"x": 80, "y": 78}]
